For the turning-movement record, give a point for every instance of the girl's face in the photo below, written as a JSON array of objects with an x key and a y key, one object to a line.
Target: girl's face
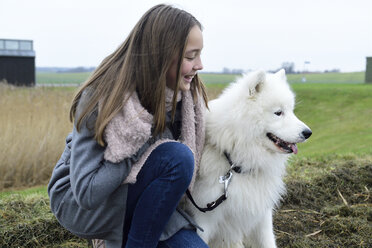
[{"x": 191, "y": 62}]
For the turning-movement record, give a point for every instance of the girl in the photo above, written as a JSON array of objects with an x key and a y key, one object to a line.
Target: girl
[{"x": 137, "y": 139}]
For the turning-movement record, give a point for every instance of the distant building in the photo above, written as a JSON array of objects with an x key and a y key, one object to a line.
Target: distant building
[
  {"x": 369, "y": 70},
  {"x": 17, "y": 62}
]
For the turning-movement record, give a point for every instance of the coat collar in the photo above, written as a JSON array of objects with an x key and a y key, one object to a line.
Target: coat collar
[{"x": 130, "y": 129}]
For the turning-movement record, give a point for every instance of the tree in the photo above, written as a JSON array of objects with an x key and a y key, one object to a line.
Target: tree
[{"x": 288, "y": 67}]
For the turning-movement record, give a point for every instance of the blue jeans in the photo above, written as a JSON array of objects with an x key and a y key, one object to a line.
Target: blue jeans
[
  {"x": 161, "y": 183},
  {"x": 183, "y": 239}
]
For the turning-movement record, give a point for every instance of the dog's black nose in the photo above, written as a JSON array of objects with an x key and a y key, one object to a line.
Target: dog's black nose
[{"x": 306, "y": 133}]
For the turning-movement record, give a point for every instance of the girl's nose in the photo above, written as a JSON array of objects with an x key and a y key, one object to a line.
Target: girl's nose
[{"x": 198, "y": 66}]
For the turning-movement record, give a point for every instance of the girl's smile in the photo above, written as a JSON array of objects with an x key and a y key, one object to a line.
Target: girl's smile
[{"x": 191, "y": 63}]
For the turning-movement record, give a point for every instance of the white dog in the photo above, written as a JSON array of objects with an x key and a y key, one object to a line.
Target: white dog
[{"x": 254, "y": 124}]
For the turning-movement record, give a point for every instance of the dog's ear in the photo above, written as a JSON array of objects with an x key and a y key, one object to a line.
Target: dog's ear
[
  {"x": 256, "y": 81},
  {"x": 281, "y": 74}
]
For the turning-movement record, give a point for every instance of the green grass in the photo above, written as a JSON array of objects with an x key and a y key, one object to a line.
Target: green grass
[
  {"x": 340, "y": 116},
  {"x": 324, "y": 78},
  {"x": 61, "y": 78},
  {"x": 38, "y": 190},
  {"x": 339, "y": 78}
]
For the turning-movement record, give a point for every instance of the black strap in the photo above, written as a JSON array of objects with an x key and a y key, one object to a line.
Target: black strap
[
  {"x": 210, "y": 206},
  {"x": 237, "y": 169},
  {"x": 222, "y": 198}
]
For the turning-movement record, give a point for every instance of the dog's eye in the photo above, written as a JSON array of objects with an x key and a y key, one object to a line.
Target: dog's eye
[{"x": 279, "y": 113}]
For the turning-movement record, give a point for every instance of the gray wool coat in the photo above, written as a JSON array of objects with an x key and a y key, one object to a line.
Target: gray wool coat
[{"x": 89, "y": 184}]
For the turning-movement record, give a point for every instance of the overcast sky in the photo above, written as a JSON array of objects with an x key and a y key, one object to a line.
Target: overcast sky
[{"x": 238, "y": 34}]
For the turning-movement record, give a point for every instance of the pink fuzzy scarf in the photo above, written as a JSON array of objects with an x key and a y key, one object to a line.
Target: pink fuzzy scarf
[{"x": 131, "y": 128}]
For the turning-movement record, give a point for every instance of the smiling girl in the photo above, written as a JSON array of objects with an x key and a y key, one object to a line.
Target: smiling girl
[{"x": 137, "y": 139}]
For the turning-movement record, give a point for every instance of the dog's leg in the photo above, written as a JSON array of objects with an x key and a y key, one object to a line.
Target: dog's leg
[{"x": 263, "y": 234}]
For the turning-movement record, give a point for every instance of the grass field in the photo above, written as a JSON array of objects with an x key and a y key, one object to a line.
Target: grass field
[
  {"x": 43, "y": 78},
  {"x": 33, "y": 124},
  {"x": 328, "y": 202},
  {"x": 340, "y": 116},
  {"x": 61, "y": 78}
]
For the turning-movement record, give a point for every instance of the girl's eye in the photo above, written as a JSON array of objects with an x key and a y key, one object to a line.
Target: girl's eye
[
  {"x": 279, "y": 113},
  {"x": 191, "y": 55}
]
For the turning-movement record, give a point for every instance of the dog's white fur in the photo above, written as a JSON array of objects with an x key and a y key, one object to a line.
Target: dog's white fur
[{"x": 237, "y": 123}]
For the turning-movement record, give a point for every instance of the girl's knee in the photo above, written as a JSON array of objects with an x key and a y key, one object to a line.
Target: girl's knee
[{"x": 180, "y": 160}]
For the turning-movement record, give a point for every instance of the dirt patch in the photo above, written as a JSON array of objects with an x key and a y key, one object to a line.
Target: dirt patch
[{"x": 332, "y": 210}]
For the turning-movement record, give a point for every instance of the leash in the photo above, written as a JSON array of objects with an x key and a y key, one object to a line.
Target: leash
[
  {"x": 210, "y": 206},
  {"x": 226, "y": 179}
]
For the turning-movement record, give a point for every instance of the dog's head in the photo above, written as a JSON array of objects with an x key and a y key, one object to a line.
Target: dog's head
[{"x": 257, "y": 112}]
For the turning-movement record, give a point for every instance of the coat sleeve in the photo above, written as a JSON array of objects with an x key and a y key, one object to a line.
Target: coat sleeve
[{"x": 92, "y": 177}]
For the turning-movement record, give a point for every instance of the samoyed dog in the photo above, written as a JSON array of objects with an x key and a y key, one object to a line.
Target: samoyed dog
[{"x": 253, "y": 123}]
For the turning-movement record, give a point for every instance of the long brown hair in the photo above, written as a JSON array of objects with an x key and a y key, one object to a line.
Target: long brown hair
[{"x": 140, "y": 64}]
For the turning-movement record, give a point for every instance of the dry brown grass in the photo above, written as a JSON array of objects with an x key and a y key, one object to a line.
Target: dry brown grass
[{"x": 33, "y": 124}]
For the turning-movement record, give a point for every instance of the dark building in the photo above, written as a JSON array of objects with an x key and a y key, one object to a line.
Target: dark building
[
  {"x": 369, "y": 70},
  {"x": 17, "y": 62}
]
